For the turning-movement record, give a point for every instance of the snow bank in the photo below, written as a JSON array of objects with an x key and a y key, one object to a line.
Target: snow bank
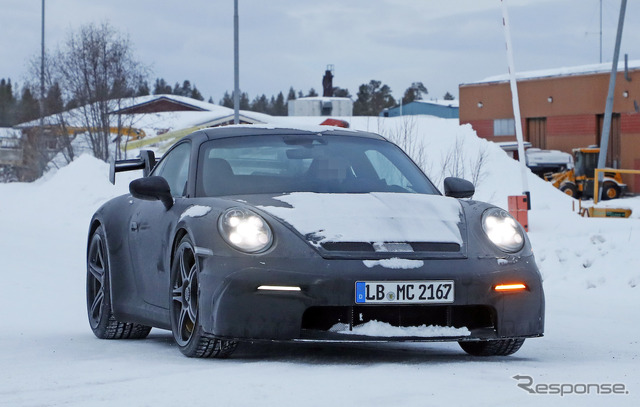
[{"x": 383, "y": 329}]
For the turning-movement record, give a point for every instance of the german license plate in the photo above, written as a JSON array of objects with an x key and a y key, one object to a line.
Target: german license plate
[{"x": 404, "y": 292}]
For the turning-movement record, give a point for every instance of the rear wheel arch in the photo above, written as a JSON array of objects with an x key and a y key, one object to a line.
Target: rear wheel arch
[{"x": 102, "y": 320}]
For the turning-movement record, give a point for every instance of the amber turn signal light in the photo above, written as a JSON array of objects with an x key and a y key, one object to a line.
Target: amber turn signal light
[{"x": 510, "y": 287}]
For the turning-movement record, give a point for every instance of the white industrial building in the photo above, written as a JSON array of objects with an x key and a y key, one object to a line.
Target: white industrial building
[{"x": 321, "y": 106}]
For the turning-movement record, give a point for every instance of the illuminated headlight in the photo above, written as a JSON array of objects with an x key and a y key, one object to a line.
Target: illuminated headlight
[
  {"x": 245, "y": 230},
  {"x": 502, "y": 230}
]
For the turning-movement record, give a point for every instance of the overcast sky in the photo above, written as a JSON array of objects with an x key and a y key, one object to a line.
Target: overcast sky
[{"x": 287, "y": 43}]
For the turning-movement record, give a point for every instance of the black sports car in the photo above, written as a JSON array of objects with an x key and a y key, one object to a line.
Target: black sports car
[{"x": 244, "y": 233}]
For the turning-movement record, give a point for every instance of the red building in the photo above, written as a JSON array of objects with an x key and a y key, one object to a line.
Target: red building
[{"x": 561, "y": 109}]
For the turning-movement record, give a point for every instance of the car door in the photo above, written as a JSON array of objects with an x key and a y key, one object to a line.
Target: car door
[{"x": 151, "y": 228}]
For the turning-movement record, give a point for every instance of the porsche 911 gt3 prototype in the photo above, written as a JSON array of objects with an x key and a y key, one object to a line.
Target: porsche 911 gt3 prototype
[{"x": 243, "y": 233}]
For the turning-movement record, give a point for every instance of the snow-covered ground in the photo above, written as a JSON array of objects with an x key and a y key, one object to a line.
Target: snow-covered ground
[{"x": 49, "y": 357}]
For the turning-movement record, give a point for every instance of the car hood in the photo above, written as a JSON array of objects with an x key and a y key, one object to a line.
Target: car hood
[{"x": 371, "y": 217}]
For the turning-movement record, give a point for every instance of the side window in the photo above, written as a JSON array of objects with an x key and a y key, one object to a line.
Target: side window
[{"x": 175, "y": 169}]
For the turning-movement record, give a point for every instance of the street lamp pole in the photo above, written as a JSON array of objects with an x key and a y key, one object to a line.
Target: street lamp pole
[
  {"x": 41, "y": 104},
  {"x": 236, "y": 67}
]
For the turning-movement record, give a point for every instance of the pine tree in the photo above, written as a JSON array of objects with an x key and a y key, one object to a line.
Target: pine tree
[
  {"x": 271, "y": 105},
  {"x": 161, "y": 87},
  {"x": 372, "y": 98},
  {"x": 7, "y": 104},
  {"x": 414, "y": 92},
  {"x": 227, "y": 100},
  {"x": 448, "y": 96},
  {"x": 185, "y": 89},
  {"x": 29, "y": 108},
  {"x": 361, "y": 107},
  {"x": 143, "y": 89},
  {"x": 312, "y": 93},
  {"x": 279, "y": 106},
  {"x": 341, "y": 93},
  {"x": 53, "y": 102},
  {"x": 195, "y": 94},
  {"x": 260, "y": 104},
  {"x": 244, "y": 101},
  {"x": 291, "y": 95}
]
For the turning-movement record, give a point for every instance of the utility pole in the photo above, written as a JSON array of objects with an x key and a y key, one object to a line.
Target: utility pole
[
  {"x": 516, "y": 104},
  {"x": 600, "y": 31},
  {"x": 606, "y": 125},
  {"x": 236, "y": 66}
]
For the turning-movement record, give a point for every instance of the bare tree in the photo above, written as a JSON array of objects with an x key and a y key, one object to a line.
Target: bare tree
[
  {"x": 96, "y": 70},
  {"x": 454, "y": 162},
  {"x": 405, "y": 136}
]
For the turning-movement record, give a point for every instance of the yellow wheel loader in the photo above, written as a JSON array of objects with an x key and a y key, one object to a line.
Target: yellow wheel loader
[{"x": 578, "y": 181}]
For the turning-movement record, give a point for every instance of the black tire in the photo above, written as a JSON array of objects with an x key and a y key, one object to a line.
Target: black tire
[
  {"x": 570, "y": 189},
  {"x": 610, "y": 191},
  {"x": 500, "y": 347},
  {"x": 103, "y": 324},
  {"x": 185, "y": 322}
]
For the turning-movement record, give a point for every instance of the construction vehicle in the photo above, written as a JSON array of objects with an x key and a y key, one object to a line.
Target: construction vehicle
[{"x": 578, "y": 181}]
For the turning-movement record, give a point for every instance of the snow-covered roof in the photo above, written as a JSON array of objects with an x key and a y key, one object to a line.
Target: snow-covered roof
[
  {"x": 565, "y": 71},
  {"x": 8, "y": 132},
  {"x": 511, "y": 145},
  {"x": 441, "y": 102},
  {"x": 210, "y": 110},
  {"x": 139, "y": 100},
  {"x": 324, "y": 98}
]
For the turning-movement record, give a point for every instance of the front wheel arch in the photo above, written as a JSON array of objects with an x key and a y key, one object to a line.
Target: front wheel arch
[
  {"x": 184, "y": 309},
  {"x": 495, "y": 347}
]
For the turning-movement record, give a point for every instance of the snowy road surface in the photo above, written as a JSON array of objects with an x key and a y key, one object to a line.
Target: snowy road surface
[{"x": 589, "y": 340}]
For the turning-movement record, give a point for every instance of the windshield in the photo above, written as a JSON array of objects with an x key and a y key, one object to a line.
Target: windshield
[{"x": 327, "y": 164}]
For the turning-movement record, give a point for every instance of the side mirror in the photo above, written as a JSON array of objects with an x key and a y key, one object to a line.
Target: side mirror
[
  {"x": 458, "y": 188},
  {"x": 152, "y": 189}
]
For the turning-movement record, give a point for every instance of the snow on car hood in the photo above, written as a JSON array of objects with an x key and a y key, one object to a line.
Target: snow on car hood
[{"x": 372, "y": 217}]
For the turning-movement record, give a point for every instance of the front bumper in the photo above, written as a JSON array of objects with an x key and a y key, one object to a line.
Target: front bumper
[{"x": 232, "y": 307}]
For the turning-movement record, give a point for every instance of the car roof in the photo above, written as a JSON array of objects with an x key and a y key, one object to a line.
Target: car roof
[{"x": 257, "y": 130}]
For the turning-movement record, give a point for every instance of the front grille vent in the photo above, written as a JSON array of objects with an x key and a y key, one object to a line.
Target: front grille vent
[{"x": 390, "y": 247}]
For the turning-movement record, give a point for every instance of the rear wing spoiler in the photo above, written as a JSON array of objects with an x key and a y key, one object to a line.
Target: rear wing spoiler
[{"x": 145, "y": 162}]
